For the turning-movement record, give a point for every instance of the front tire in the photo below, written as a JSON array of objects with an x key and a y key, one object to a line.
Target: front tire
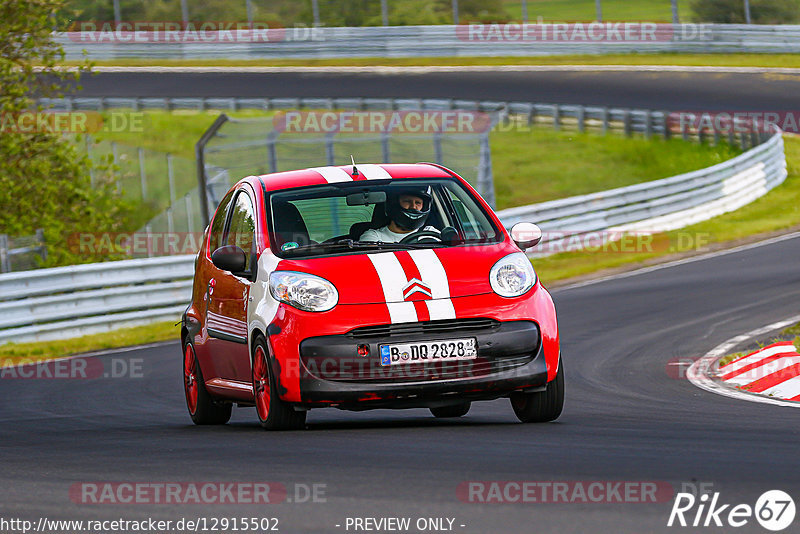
[
  {"x": 273, "y": 413},
  {"x": 202, "y": 408},
  {"x": 454, "y": 410},
  {"x": 542, "y": 406}
]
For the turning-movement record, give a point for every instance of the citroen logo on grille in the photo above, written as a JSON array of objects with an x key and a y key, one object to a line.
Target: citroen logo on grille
[{"x": 418, "y": 289}]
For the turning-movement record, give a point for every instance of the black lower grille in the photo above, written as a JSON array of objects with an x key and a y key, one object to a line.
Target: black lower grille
[
  {"x": 386, "y": 331},
  {"x": 502, "y": 346}
]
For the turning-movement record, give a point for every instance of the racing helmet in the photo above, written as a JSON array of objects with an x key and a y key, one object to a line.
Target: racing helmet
[{"x": 408, "y": 219}]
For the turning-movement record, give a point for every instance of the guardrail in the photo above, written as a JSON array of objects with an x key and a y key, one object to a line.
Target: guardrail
[
  {"x": 434, "y": 41},
  {"x": 82, "y": 299},
  {"x": 660, "y": 205},
  {"x": 582, "y": 118},
  {"x": 85, "y": 299}
]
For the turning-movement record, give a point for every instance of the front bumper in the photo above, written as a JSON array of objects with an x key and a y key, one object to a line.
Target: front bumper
[{"x": 510, "y": 357}]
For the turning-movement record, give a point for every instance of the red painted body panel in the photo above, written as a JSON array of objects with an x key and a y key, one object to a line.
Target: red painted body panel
[
  {"x": 296, "y": 325},
  {"x": 362, "y": 301}
]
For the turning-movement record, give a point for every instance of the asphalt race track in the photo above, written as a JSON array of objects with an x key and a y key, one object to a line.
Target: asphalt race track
[
  {"x": 691, "y": 91},
  {"x": 629, "y": 417}
]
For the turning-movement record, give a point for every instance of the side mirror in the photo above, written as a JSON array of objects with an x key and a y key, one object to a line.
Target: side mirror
[
  {"x": 229, "y": 258},
  {"x": 526, "y": 235}
]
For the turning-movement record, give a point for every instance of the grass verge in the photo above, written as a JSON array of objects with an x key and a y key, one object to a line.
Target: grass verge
[
  {"x": 528, "y": 162},
  {"x": 778, "y": 210},
  {"x": 15, "y": 353},
  {"x": 634, "y": 59}
]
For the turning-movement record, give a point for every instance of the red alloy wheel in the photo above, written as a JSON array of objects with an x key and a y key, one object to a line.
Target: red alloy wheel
[
  {"x": 189, "y": 379},
  {"x": 261, "y": 383}
]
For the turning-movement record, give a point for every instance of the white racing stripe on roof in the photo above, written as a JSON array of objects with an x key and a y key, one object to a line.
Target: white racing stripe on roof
[
  {"x": 373, "y": 172},
  {"x": 333, "y": 174}
]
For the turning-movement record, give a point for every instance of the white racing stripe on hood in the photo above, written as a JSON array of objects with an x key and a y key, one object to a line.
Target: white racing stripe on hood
[
  {"x": 333, "y": 174},
  {"x": 371, "y": 171},
  {"x": 432, "y": 273},
  {"x": 393, "y": 279}
]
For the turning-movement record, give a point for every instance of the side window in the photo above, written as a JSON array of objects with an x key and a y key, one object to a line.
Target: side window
[
  {"x": 242, "y": 228},
  {"x": 218, "y": 224},
  {"x": 474, "y": 222}
]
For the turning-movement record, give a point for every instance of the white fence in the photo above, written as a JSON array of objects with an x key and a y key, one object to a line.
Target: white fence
[
  {"x": 77, "y": 300},
  {"x": 435, "y": 41}
]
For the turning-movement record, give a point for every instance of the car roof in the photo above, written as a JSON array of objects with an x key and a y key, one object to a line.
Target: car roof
[{"x": 344, "y": 173}]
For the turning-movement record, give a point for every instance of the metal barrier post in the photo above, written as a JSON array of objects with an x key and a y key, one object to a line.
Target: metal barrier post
[
  {"x": 5, "y": 263},
  {"x": 142, "y": 175},
  {"x": 199, "y": 151}
]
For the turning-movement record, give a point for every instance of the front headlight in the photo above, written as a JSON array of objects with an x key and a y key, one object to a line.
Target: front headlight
[
  {"x": 303, "y": 291},
  {"x": 512, "y": 276}
]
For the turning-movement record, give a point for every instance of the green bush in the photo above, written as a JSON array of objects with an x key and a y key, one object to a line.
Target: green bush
[
  {"x": 45, "y": 182},
  {"x": 732, "y": 11}
]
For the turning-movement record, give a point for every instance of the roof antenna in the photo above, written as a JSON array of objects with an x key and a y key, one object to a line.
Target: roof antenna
[{"x": 355, "y": 171}]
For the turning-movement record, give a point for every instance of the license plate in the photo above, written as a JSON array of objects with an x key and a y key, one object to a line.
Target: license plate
[{"x": 429, "y": 351}]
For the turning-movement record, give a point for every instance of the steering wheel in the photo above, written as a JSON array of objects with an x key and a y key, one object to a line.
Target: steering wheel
[{"x": 416, "y": 237}]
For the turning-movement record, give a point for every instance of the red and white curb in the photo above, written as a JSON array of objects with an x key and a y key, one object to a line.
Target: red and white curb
[
  {"x": 773, "y": 371},
  {"x": 770, "y": 375}
]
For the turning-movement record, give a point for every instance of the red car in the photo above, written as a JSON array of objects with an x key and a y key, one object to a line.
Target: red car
[{"x": 366, "y": 286}]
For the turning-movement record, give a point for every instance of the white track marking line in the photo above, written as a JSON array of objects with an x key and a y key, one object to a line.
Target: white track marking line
[
  {"x": 410, "y": 69},
  {"x": 698, "y": 372},
  {"x": 676, "y": 263}
]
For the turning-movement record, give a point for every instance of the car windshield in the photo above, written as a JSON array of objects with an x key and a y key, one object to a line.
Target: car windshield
[{"x": 364, "y": 216}]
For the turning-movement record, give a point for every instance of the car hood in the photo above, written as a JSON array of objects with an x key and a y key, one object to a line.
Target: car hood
[{"x": 398, "y": 276}]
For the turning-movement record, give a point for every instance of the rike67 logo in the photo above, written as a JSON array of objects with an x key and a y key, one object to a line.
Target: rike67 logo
[{"x": 774, "y": 510}]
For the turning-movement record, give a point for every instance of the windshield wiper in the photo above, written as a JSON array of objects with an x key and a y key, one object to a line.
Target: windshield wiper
[{"x": 349, "y": 244}]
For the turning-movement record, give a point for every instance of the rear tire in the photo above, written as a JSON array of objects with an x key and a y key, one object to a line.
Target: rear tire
[
  {"x": 542, "y": 406},
  {"x": 455, "y": 410},
  {"x": 273, "y": 413},
  {"x": 202, "y": 408}
]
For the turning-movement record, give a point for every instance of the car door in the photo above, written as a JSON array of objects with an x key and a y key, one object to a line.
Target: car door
[{"x": 228, "y": 294}]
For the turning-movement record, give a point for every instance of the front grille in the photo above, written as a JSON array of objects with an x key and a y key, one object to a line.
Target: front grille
[
  {"x": 360, "y": 371},
  {"x": 387, "y": 331}
]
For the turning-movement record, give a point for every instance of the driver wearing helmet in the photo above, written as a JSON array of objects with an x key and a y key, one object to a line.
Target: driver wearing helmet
[{"x": 407, "y": 211}]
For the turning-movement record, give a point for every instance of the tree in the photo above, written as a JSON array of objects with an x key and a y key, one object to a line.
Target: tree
[
  {"x": 44, "y": 179},
  {"x": 732, "y": 11}
]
